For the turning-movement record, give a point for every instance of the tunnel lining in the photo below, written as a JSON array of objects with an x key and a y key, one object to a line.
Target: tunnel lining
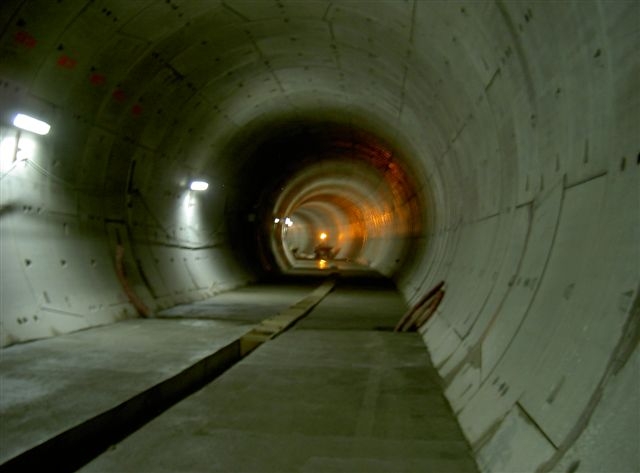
[{"x": 496, "y": 105}]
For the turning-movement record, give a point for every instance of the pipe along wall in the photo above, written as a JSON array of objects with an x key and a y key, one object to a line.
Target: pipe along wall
[{"x": 492, "y": 145}]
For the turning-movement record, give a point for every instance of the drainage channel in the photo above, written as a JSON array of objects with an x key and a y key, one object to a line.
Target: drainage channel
[{"x": 75, "y": 447}]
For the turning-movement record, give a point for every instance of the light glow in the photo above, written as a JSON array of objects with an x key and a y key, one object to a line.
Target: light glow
[
  {"x": 323, "y": 236},
  {"x": 199, "y": 186},
  {"x": 31, "y": 124},
  {"x": 288, "y": 222},
  {"x": 188, "y": 208},
  {"x": 7, "y": 153},
  {"x": 276, "y": 220},
  {"x": 322, "y": 264},
  {"x": 14, "y": 150},
  {"x": 26, "y": 148}
]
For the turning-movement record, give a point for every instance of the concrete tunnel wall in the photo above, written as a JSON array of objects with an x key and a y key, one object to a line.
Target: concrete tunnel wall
[{"x": 518, "y": 122}]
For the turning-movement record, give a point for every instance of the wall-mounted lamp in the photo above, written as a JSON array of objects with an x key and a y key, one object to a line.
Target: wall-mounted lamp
[
  {"x": 199, "y": 186},
  {"x": 31, "y": 124}
]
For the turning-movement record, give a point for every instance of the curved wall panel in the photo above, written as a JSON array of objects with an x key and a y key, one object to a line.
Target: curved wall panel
[{"x": 517, "y": 123}]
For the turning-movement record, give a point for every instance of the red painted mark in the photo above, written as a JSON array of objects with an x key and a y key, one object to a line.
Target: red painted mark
[
  {"x": 136, "y": 110},
  {"x": 119, "y": 95},
  {"x": 67, "y": 62},
  {"x": 97, "y": 79},
  {"x": 25, "y": 39}
]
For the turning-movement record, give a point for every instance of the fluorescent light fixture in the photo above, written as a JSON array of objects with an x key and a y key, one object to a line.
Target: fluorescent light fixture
[
  {"x": 31, "y": 124},
  {"x": 199, "y": 186},
  {"x": 276, "y": 220}
]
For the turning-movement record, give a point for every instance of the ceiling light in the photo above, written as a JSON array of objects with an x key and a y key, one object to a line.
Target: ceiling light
[
  {"x": 31, "y": 124},
  {"x": 199, "y": 186}
]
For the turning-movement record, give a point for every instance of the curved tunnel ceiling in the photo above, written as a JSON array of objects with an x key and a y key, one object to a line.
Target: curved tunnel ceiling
[{"x": 513, "y": 127}]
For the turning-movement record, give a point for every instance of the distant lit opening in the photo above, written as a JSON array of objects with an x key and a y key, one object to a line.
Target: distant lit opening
[
  {"x": 199, "y": 186},
  {"x": 31, "y": 124},
  {"x": 288, "y": 222}
]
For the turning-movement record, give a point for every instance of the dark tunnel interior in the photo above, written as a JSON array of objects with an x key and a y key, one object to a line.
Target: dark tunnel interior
[
  {"x": 193, "y": 148},
  {"x": 326, "y": 176}
]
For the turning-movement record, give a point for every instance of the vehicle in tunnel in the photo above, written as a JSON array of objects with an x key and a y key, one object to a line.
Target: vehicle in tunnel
[{"x": 492, "y": 145}]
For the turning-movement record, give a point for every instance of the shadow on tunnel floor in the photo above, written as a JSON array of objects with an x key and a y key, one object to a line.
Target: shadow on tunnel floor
[{"x": 344, "y": 277}]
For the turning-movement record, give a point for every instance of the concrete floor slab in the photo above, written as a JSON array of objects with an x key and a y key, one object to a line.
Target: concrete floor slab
[
  {"x": 51, "y": 385},
  {"x": 346, "y": 269},
  {"x": 371, "y": 403},
  {"x": 310, "y": 400},
  {"x": 373, "y": 304},
  {"x": 249, "y": 304}
]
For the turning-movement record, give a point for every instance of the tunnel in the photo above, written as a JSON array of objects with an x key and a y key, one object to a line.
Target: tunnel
[{"x": 193, "y": 148}]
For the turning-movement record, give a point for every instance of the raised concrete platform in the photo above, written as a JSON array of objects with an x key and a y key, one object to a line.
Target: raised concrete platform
[
  {"x": 342, "y": 399},
  {"x": 246, "y": 304},
  {"x": 50, "y": 386}
]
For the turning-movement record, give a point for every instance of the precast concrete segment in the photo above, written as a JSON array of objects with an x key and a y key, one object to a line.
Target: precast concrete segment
[
  {"x": 332, "y": 398},
  {"x": 71, "y": 440}
]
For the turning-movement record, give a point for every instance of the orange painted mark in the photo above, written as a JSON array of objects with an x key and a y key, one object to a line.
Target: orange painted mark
[
  {"x": 140, "y": 306},
  {"x": 66, "y": 62},
  {"x": 97, "y": 79},
  {"x": 25, "y": 39},
  {"x": 119, "y": 95}
]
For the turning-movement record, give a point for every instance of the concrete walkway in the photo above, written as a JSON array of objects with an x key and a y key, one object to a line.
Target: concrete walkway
[
  {"x": 50, "y": 386},
  {"x": 250, "y": 304},
  {"x": 337, "y": 393}
]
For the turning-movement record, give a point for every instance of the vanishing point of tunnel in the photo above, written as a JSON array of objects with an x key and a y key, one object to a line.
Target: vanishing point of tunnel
[{"x": 320, "y": 235}]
